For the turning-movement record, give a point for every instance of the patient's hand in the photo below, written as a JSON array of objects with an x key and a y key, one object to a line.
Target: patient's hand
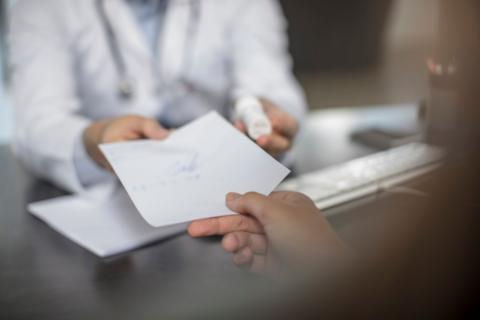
[
  {"x": 120, "y": 129},
  {"x": 285, "y": 128},
  {"x": 284, "y": 227}
]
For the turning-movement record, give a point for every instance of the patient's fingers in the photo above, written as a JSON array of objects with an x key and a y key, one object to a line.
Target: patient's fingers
[
  {"x": 255, "y": 263},
  {"x": 236, "y": 241},
  {"x": 259, "y": 264},
  {"x": 292, "y": 198},
  {"x": 243, "y": 258},
  {"x": 224, "y": 225}
]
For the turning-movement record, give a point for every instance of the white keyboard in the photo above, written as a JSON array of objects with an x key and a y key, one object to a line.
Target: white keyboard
[{"x": 364, "y": 176}]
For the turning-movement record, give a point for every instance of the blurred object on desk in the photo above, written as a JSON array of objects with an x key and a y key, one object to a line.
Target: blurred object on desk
[
  {"x": 326, "y": 138},
  {"x": 386, "y": 138},
  {"x": 372, "y": 174}
]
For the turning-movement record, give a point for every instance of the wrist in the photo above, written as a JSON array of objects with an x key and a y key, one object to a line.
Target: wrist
[{"x": 92, "y": 137}]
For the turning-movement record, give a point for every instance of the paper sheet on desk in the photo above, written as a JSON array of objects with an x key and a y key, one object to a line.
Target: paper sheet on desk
[
  {"x": 106, "y": 227},
  {"x": 187, "y": 176}
]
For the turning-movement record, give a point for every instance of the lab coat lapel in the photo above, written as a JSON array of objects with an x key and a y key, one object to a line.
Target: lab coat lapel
[
  {"x": 173, "y": 39},
  {"x": 127, "y": 30}
]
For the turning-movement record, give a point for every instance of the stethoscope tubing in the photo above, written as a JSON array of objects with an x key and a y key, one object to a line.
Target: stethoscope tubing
[{"x": 125, "y": 85}]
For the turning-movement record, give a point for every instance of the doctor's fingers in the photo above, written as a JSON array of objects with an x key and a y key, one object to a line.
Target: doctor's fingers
[
  {"x": 240, "y": 126},
  {"x": 274, "y": 144},
  {"x": 282, "y": 121},
  {"x": 151, "y": 129},
  {"x": 128, "y": 128},
  {"x": 236, "y": 241},
  {"x": 224, "y": 225},
  {"x": 285, "y": 125}
]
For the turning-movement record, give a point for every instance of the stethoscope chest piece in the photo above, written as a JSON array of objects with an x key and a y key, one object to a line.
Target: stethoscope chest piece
[{"x": 126, "y": 91}]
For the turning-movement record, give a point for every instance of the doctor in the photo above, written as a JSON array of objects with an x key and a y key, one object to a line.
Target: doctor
[{"x": 97, "y": 71}]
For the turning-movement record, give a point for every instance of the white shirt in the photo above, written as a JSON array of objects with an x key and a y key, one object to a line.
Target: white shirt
[
  {"x": 149, "y": 15},
  {"x": 64, "y": 78}
]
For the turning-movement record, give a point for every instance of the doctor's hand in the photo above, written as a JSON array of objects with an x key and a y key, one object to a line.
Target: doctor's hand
[
  {"x": 284, "y": 229},
  {"x": 120, "y": 129},
  {"x": 284, "y": 129}
]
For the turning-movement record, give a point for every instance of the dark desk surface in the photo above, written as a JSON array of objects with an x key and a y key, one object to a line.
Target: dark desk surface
[{"x": 44, "y": 275}]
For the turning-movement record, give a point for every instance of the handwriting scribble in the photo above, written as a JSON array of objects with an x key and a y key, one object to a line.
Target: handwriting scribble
[
  {"x": 185, "y": 166},
  {"x": 184, "y": 170}
]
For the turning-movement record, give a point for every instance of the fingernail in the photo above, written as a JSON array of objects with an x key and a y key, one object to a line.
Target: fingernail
[{"x": 232, "y": 196}]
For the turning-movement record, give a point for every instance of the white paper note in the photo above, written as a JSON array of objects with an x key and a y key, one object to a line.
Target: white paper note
[
  {"x": 187, "y": 176},
  {"x": 106, "y": 228}
]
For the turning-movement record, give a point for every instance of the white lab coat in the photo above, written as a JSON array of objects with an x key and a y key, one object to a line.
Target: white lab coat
[{"x": 64, "y": 76}]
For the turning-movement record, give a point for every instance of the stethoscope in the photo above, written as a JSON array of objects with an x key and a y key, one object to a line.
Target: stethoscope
[{"x": 126, "y": 87}]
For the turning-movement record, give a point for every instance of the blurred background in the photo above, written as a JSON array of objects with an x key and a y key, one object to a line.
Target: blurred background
[
  {"x": 365, "y": 53},
  {"x": 6, "y": 110}
]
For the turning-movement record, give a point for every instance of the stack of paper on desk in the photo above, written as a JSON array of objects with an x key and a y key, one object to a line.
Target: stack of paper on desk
[
  {"x": 180, "y": 179},
  {"x": 106, "y": 228}
]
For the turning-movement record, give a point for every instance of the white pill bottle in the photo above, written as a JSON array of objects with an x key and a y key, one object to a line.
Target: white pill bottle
[{"x": 249, "y": 110}]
